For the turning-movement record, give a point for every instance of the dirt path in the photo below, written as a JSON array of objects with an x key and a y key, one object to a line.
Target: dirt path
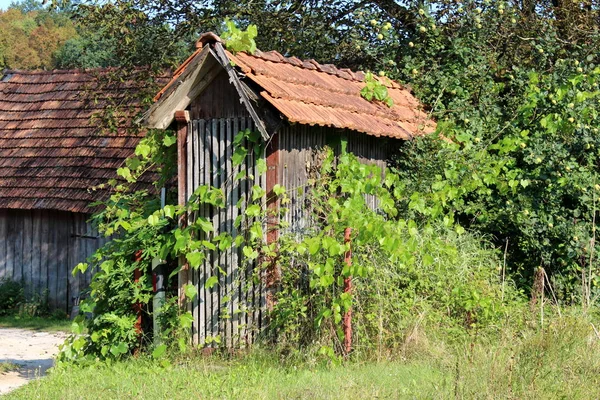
[{"x": 32, "y": 351}]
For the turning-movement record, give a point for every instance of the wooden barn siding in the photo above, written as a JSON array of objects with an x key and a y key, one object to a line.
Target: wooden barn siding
[
  {"x": 299, "y": 145},
  {"x": 41, "y": 248},
  {"x": 216, "y": 101},
  {"x": 236, "y": 320}
]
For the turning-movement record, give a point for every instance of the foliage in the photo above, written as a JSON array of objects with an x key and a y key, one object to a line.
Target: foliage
[
  {"x": 87, "y": 50},
  {"x": 11, "y": 295},
  {"x": 399, "y": 269},
  {"x": 238, "y": 40},
  {"x": 518, "y": 104},
  {"x": 518, "y": 360},
  {"x": 31, "y": 36},
  {"x": 375, "y": 90}
]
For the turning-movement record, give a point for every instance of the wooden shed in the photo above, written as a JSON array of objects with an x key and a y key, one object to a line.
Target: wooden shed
[
  {"x": 297, "y": 106},
  {"x": 52, "y": 152}
]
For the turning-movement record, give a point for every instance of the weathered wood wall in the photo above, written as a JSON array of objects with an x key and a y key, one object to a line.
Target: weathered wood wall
[
  {"x": 231, "y": 311},
  {"x": 41, "y": 248},
  {"x": 300, "y": 147}
]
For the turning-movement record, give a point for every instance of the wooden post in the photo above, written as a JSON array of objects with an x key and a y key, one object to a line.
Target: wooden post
[
  {"x": 272, "y": 273},
  {"x": 348, "y": 289},
  {"x": 182, "y": 119}
]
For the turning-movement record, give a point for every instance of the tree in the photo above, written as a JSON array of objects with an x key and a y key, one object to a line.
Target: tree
[
  {"x": 487, "y": 70},
  {"x": 31, "y": 35}
]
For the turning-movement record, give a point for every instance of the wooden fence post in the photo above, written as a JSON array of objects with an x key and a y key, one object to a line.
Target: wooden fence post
[{"x": 182, "y": 119}]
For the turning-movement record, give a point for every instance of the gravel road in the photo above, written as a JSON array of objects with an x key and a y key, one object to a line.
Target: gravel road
[{"x": 32, "y": 351}]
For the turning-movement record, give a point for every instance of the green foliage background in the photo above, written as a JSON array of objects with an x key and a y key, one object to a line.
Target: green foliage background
[{"x": 514, "y": 88}]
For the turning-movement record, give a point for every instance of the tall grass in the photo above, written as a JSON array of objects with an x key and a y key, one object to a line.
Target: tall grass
[{"x": 560, "y": 360}]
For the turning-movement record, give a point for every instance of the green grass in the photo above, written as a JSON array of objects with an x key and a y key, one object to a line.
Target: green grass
[
  {"x": 36, "y": 323},
  {"x": 8, "y": 367},
  {"x": 248, "y": 379},
  {"x": 560, "y": 360}
]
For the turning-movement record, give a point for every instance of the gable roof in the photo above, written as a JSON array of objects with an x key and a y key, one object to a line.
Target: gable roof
[
  {"x": 307, "y": 92},
  {"x": 52, "y": 150}
]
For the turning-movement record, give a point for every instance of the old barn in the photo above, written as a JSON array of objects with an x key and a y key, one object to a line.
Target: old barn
[
  {"x": 52, "y": 152},
  {"x": 297, "y": 106}
]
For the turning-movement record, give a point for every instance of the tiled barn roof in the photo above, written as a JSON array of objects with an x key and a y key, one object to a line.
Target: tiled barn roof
[
  {"x": 310, "y": 93},
  {"x": 52, "y": 147}
]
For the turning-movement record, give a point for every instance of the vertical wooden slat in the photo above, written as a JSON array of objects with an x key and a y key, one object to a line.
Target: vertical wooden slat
[
  {"x": 18, "y": 246},
  {"x": 200, "y": 133},
  {"x": 222, "y": 224},
  {"x": 193, "y": 136},
  {"x": 10, "y": 246},
  {"x": 231, "y": 268},
  {"x": 214, "y": 165},
  {"x": 73, "y": 257},
  {"x": 62, "y": 291},
  {"x": 44, "y": 255},
  {"x": 52, "y": 260},
  {"x": 238, "y": 305},
  {"x": 27, "y": 249}
]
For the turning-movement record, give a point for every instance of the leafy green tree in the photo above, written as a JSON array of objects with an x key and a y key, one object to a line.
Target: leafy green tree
[
  {"x": 485, "y": 69},
  {"x": 31, "y": 35}
]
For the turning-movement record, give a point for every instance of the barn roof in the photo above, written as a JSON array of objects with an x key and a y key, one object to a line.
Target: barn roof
[
  {"x": 52, "y": 149},
  {"x": 307, "y": 92}
]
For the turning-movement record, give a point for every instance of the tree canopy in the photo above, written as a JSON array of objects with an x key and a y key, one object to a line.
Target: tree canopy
[{"x": 513, "y": 85}]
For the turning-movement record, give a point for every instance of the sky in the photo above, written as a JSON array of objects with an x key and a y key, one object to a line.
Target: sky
[{"x": 4, "y": 4}]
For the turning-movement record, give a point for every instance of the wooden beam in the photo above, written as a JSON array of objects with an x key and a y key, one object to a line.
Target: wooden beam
[
  {"x": 273, "y": 275},
  {"x": 182, "y": 119},
  {"x": 197, "y": 76},
  {"x": 235, "y": 80}
]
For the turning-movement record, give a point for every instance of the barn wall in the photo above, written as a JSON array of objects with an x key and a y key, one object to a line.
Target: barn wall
[
  {"x": 41, "y": 248},
  {"x": 299, "y": 150},
  {"x": 232, "y": 310},
  {"x": 218, "y": 100}
]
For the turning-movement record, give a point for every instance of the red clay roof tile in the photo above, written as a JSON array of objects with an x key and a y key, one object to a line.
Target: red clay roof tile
[{"x": 316, "y": 94}]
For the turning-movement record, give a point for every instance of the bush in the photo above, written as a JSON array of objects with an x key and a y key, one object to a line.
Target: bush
[
  {"x": 11, "y": 295},
  {"x": 404, "y": 275}
]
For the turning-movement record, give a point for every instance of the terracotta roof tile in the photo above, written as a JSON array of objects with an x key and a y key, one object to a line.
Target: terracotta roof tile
[
  {"x": 52, "y": 149},
  {"x": 310, "y": 93},
  {"x": 314, "y": 94}
]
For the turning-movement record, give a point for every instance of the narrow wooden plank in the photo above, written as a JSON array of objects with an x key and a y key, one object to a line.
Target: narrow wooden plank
[
  {"x": 27, "y": 252},
  {"x": 52, "y": 267},
  {"x": 262, "y": 179},
  {"x": 201, "y": 277},
  {"x": 3, "y": 242},
  {"x": 214, "y": 293},
  {"x": 238, "y": 318},
  {"x": 243, "y": 195},
  {"x": 232, "y": 326},
  {"x": 62, "y": 290},
  {"x": 194, "y": 132},
  {"x": 10, "y": 246},
  {"x": 18, "y": 220},
  {"x": 223, "y": 301},
  {"x": 74, "y": 258},
  {"x": 36, "y": 244}
]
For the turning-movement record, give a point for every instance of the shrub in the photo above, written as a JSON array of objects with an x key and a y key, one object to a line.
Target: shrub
[
  {"x": 11, "y": 295},
  {"x": 403, "y": 274}
]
